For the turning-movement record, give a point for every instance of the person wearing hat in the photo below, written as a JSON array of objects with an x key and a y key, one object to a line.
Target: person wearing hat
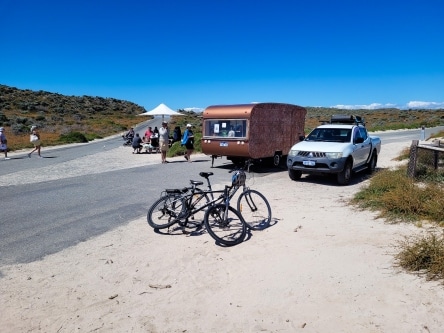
[
  {"x": 188, "y": 142},
  {"x": 3, "y": 142},
  {"x": 35, "y": 140},
  {"x": 164, "y": 137}
]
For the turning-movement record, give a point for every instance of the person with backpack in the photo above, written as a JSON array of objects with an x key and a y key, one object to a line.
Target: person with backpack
[{"x": 188, "y": 142}]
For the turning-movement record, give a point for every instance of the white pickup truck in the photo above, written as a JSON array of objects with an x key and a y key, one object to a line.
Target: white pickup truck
[{"x": 340, "y": 147}]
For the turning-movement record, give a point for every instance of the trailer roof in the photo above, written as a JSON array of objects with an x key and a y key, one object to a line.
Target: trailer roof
[{"x": 235, "y": 110}]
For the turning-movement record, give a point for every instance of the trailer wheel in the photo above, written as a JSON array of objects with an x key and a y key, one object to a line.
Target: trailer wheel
[
  {"x": 238, "y": 161},
  {"x": 276, "y": 159}
]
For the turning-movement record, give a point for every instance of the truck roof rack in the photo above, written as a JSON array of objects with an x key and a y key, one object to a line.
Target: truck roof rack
[{"x": 345, "y": 119}]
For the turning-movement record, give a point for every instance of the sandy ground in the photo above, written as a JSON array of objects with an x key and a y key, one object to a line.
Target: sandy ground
[{"x": 323, "y": 266}]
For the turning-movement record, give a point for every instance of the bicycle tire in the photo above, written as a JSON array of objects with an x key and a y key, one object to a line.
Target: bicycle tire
[
  {"x": 255, "y": 209},
  {"x": 227, "y": 231},
  {"x": 165, "y": 211}
]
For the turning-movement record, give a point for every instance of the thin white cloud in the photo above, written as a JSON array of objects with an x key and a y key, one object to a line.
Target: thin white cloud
[
  {"x": 424, "y": 105},
  {"x": 372, "y": 106},
  {"x": 375, "y": 106},
  {"x": 193, "y": 108}
]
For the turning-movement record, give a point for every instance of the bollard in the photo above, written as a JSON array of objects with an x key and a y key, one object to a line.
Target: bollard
[
  {"x": 411, "y": 168},
  {"x": 422, "y": 136}
]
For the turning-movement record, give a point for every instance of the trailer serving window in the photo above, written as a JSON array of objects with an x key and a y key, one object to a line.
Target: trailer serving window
[{"x": 234, "y": 128}]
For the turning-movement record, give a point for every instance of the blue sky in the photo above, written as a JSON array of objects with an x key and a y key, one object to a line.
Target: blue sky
[{"x": 361, "y": 53}]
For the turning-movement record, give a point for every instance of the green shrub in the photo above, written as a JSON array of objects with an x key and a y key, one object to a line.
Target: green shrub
[
  {"x": 177, "y": 150},
  {"x": 73, "y": 137},
  {"x": 93, "y": 136}
]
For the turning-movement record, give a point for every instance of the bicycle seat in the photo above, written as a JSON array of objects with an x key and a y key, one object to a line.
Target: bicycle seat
[
  {"x": 206, "y": 174},
  {"x": 196, "y": 182},
  {"x": 177, "y": 190}
]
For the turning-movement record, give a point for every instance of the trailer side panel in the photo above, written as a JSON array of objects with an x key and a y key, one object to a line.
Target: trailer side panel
[{"x": 251, "y": 131}]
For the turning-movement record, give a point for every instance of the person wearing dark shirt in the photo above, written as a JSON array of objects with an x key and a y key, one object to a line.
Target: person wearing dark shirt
[
  {"x": 137, "y": 144},
  {"x": 177, "y": 134}
]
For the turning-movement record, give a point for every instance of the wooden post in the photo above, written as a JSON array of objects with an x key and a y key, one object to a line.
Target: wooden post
[{"x": 411, "y": 169}]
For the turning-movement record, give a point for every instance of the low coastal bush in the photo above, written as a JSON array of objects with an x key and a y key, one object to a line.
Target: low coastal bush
[
  {"x": 399, "y": 198},
  {"x": 73, "y": 137},
  {"x": 423, "y": 255}
]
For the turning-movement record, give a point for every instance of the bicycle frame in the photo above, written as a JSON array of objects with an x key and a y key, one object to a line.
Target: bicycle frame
[{"x": 192, "y": 199}]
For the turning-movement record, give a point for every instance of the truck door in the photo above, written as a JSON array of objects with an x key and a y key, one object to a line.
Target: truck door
[{"x": 361, "y": 145}]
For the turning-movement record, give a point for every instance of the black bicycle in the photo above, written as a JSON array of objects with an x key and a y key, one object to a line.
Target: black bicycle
[
  {"x": 182, "y": 205},
  {"x": 223, "y": 222}
]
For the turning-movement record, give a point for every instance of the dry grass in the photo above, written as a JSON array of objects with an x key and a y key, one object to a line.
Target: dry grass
[
  {"x": 423, "y": 255},
  {"x": 94, "y": 127},
  {"x": 380, "y": 119},
  {"x": 399, "y": 198}
]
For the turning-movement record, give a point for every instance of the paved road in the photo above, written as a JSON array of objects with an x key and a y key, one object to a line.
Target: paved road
[
  {"x": 407, "y": 135},
  {"x": 42, "y": 218}
]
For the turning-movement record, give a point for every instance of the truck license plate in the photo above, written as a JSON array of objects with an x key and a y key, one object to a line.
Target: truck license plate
[
  {"x": 309, "y": 163},
  {"x": 224, "y": 144}
]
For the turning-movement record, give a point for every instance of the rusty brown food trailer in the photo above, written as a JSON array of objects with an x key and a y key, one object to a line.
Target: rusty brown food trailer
[{"x": 252, "y": 131}]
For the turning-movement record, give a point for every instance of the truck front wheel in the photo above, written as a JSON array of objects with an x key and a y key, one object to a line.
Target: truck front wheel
[
  {"x": 371, "y": 166},
  {"x": 294, "y": 174},
  {"x": 345, "y": 175}
]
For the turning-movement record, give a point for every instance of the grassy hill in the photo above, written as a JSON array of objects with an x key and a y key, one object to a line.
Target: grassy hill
[{"x": 64, "y": 119}]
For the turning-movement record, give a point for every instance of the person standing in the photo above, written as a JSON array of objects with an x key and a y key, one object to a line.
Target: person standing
[
  {"x": 148, "y": 132},
  {"x": 164, "y": 137},
  {"x": 3, "y": 143},
  {"x": 177, "y": 135},
  {"x": 188, "y": 142},
  {"x": 35, "y": 140}
]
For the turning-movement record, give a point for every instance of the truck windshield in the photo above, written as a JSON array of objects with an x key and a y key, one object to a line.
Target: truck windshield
[
  {"x": 234, "y": 128},
  {"x": 330, "y": 135}
]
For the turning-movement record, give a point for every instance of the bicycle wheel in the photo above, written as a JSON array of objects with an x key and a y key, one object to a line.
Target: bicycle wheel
[
  {"x": 255, "y": 209},
  {"x": 227, "y": 229},
  {"x": 166, "y": 211}
]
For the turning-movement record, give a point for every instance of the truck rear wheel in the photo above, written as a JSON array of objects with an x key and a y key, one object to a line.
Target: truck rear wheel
[
  {"x": 294, "y": 174},
  {"x": 345, "y": 175}
]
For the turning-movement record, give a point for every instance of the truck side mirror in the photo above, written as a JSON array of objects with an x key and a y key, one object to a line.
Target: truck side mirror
[{"x": 359, "y": 140}]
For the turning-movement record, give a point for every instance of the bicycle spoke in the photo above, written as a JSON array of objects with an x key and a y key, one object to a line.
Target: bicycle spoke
[
  {"x": 165, "y": 212},
  {"x": 226, "y": 228},
  {"x": 255, "y": 209}
]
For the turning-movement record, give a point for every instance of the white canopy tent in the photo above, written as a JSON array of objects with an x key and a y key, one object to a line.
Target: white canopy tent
[{"x": 161, "y": 110}]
